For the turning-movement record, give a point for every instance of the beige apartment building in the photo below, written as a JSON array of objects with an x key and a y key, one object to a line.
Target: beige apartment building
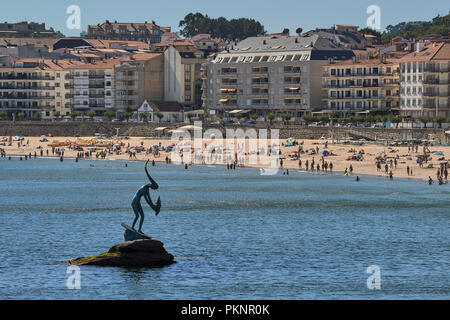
[
  {"x": 139, "y": 78},
  {"x": 36, "y": 87},
  {"x": 358, "y": 86},
  {"x": 269, "y": 74},
  {"x": 183, "y": 76},
  {"x": 425, "y": 80},
  {"x": 118, "y": 84}
]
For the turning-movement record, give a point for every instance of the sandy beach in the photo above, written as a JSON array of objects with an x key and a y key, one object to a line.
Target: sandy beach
[{"x": 339, "y": 154}]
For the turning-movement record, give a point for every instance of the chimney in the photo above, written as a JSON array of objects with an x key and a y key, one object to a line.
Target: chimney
[
  {"x": 299, "y": 31},
  {"x": 419, "y": 46},
  {"x": 264, "y": 42},
  {"x": 285, "y": 32}
]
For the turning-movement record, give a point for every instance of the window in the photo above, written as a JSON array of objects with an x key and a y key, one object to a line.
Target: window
[{"x": 272, "y": 58}]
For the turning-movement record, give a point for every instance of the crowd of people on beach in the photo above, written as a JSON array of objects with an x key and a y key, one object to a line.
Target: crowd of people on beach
[{"x": 311, "y": 159}]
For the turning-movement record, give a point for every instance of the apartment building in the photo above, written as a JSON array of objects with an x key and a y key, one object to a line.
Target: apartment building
[
  {"x": 269, "y": 74},
  {"x": 36, "y": 88},
  {"x": 146, "y": 32},
  {"x": 139, "y": 78},
  {"x": 183, "y": 76},
  {"x": 361, "y": 85},
  {"x": 26, "y": 29},
  {"x": 425, "y": 81},
  {"x": 93, "y": 86},
  {"x": 118, "y": 84}
]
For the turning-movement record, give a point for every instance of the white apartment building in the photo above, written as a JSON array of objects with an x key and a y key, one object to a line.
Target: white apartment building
[{"x": 424, "y": 81}]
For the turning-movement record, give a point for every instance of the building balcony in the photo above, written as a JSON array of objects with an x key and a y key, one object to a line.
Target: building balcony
[
  {"x": 127, "y": 77},
  {"x": 261, "y": 70},
  {"x": 96, "y": 95},
  {"x": 435, "y": 94},
  {"x": 435, "y": 82},
  {"x": 17, "y": 77},
  {"x": 295, "y": 70},
  {"x": 436, "y": 70},
  {"x": 96, "y": 76},
  {"x": 9, "y": 97},
  {"x": 30, "y": 88},
  {"x": 97, "y": 86},
  {"x": 357, "y": 98}
]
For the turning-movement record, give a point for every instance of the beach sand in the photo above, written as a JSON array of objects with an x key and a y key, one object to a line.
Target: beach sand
[{"x": 339, "y": 159}]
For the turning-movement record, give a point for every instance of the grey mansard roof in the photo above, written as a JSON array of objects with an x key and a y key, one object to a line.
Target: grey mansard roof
[{"x": 320, "y": 47}]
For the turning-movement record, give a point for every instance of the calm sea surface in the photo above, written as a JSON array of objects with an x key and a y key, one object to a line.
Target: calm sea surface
[{"x": 235, "y": 235}]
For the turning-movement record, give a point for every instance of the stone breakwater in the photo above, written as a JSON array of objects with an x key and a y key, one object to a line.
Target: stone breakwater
[{"x": 84, "y": 129}]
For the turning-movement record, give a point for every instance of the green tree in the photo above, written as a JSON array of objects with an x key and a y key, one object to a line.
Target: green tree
[
  {"x": 424, "y": 120},
  {"x": 73, "y": 115},
  {"x": 56, "y": 114},
  {"x": 440, "y": 120},
  {"x": 110, "y": 114},
  {"x": 145, "y": 116},
  {"x": 91, "y": 114},
  {"x": 37, "y": 115},
  {"x": 271, "y": 117},
  {"x": 396, "y": 120},
  {"x": 234, "y": 29},
  {"x": 125, "y": 115},
  {"x": 159, "y": 115},
  {"x": 3, "y": 114}
]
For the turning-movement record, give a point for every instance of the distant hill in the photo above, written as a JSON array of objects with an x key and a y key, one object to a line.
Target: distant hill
[{"x": 414, "y": 29}]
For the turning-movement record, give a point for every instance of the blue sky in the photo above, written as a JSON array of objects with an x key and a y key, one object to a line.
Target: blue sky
[{"x": 273, "y": 14}]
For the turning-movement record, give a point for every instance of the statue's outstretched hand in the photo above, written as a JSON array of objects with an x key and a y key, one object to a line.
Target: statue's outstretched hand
[{"x": 158, "y": 206}]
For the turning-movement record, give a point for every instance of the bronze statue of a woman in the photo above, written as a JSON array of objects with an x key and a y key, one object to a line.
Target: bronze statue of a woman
[{"x": 144, "y": 191}]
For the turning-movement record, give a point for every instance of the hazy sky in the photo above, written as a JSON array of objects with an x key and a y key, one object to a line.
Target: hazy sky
[{"x": 273, "y": 14}]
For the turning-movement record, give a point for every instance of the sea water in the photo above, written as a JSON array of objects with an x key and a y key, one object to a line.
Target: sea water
[{"x": 235, "y": 234}]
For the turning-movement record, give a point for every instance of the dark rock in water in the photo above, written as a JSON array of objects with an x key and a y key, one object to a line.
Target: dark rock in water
[{"x": 139, "y": 253}]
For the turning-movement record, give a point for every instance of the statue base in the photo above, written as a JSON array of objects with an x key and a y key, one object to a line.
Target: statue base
[
  {"x": 148, "y": 253},
  {"x": 131, "y": 234}
]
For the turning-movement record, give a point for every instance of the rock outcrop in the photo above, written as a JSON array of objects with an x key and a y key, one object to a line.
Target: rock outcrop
[{"x": 148, "y": 253}]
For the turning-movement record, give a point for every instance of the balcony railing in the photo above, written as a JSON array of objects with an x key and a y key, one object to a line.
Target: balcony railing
[
  {"x": 17, "y": 77},
  {"x": 27, "y": 88}
]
